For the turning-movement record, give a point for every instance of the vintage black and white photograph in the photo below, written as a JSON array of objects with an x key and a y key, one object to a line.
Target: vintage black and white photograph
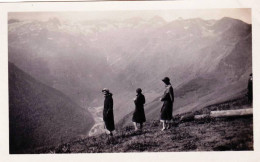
[{"x": 178, "y": 80}]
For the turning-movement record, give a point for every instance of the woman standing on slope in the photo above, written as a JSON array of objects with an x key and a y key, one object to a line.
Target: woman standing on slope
[
  {"x": 139, "y": 116},
  {"x": 108, "y": 115},
  {"x": 167, "y": 99}
]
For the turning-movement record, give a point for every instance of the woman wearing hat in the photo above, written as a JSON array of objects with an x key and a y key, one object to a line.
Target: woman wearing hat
[
  {"x": 139, "y": 116},
  {"x": 167, "y": 99},
  {"x": 108, "y": 115}
]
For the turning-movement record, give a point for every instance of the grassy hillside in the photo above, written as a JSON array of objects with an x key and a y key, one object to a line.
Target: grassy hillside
[
  {"x": 210, "y": 135},
  {"x": 41, "y": 116},
  {"x": 219, "y": 134}
]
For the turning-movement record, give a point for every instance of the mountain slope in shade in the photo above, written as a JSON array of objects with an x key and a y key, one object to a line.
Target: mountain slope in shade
[{"x": 41, "y": 116}]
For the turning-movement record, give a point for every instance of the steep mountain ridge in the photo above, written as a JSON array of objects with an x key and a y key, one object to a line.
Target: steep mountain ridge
[{"x": 41, "y": 116}]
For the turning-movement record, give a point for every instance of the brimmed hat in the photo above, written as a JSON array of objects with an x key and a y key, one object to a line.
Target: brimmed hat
[
  {"x": 166, "y": 80},
  {"x": 105, "y": 90}
]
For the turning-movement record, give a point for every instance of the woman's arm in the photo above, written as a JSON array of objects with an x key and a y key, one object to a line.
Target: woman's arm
[{"x": 163, "y": 98}]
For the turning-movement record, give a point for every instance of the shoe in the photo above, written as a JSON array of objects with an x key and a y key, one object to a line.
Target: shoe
[
  {"x": 136, "y": 128},
  {"x": 163, "y": 129},
  {"x": 111, "y": 134}
]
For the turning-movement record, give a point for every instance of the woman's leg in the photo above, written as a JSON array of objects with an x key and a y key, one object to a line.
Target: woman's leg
[
  {"x": 168, "y": 124},
  {"x": 164, "y": 125},
  {"x": 135, "y": 125},
  {"x": 141, "y": 125}
]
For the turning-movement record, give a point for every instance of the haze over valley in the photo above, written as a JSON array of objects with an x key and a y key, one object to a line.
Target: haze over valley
[{"x": 208, "y": 61}]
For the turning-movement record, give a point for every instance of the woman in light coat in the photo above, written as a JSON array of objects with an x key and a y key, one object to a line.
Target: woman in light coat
[{"x": 167, "y": 99}]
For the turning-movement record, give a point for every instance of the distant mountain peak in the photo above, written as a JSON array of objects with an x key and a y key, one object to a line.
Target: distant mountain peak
[
  {"x": 10, "y": 21},
  {"x": 55, "y": 21},
  {"x": 180, "y": 18},
  {"x": 229, "y": 20},
  {"x": 157, "y": 20},
  {"x": 134, "y": 20}
]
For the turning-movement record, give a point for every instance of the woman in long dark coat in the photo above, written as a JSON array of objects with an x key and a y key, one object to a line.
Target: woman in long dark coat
[
  {"x": 139, "y": 116},
  {"x": 167, "y": 99},
  {"x": 108, "y": 115}
]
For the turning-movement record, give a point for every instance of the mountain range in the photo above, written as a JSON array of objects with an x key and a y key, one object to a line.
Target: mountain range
[{"x": 208, "y": 61}]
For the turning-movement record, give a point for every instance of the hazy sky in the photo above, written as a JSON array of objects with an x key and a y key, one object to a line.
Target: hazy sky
[{"x": 168, "y": 15}]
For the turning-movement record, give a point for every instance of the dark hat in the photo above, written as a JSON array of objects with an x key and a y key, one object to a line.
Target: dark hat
[
  {"x": 251, "y": 74},
  {"x": 166, "y": 80},
  {"x": 138, "y": 90},
  {"x": 105, "y": 90}
]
